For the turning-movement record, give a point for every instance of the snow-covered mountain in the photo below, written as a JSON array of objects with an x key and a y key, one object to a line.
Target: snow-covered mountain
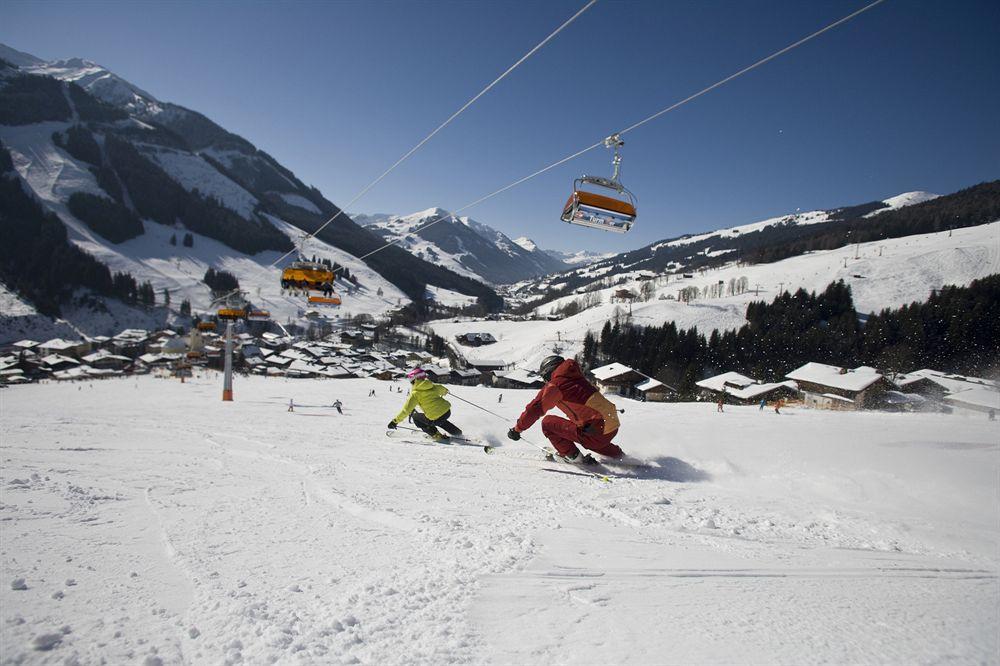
[
  {"x": 126, "y": 173},
  {"x": 776, "y": 238},
  {"x": 882, "y": 274},
  {"x": 463, "y": 245}
]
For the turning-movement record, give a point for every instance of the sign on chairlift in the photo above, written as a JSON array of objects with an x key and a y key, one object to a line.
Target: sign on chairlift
[{"x": 600, "y": 218}]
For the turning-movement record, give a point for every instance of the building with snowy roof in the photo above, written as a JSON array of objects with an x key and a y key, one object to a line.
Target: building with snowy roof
[
  {"x": 617, "y": 378},
  {"x": 518, "y": 379},
  {"x": 738, "y": 389},
  {"x": 653, "y": 390},
  {"x": 75, "y": 348},
  {"x": 980, "y": 399},
  {"x": 832, "y": 387}
]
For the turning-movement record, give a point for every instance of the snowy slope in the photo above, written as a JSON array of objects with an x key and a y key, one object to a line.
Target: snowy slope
[
  {"x": 255, "y": 535},
  {"x": 905, "y": 199},
  {"x": 53, "y": 175},
  {"x": 889, "y": 273}
]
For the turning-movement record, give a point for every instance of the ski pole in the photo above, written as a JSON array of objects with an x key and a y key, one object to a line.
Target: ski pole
[{"x": 504, "y": 419}]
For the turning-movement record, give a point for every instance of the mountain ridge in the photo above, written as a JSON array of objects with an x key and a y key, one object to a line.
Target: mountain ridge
[{"x": 203, "y": 166}]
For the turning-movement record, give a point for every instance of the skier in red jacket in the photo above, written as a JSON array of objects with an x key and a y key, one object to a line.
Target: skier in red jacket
[{"x": 593, "y": 420}]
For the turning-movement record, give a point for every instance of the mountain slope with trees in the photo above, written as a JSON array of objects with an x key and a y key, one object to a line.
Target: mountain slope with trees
[{"x": 118, "y": 133}]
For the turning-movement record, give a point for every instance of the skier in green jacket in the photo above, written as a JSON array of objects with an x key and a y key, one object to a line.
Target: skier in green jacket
[{"x": 434, "y": 409}]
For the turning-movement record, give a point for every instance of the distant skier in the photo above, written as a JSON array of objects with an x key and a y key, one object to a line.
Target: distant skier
[
  {"x": 337, "y": 405},
  {"x": 434, "y": 409},
  {"x": 500, "y": 398},
  {"x": 763, "y": 403},
  {"x": 593, "y": 420},
  {"x": 719, "y": 404},
  {"x": 778, "y": 404},
  {"x": 291, "y": 404}
]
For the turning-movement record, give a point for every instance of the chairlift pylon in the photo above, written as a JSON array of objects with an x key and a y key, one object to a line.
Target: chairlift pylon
[{"x": 600, "y": 211}]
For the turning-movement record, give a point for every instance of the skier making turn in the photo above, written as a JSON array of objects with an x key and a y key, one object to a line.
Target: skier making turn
[
  {"x": 593, "y": 420},
  {"x": 434, "y": 409}
]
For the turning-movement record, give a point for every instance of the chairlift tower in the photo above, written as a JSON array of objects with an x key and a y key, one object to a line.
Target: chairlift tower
[{"x": 227, "y": 382}]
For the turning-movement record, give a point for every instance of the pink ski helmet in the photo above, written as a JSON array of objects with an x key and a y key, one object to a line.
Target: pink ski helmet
[{"x": 415, "y": 374}]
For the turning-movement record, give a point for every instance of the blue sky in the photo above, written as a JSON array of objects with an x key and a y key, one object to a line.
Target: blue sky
[{"x": 904, "y": 97}]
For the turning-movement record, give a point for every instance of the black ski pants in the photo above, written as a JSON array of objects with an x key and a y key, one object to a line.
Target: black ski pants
[{"x": 430, "y": 427}]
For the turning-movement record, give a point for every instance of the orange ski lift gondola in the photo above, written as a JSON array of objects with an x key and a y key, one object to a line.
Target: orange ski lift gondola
[
  {"x": 602, "y": 211},
  {"x": 232, "y": 306},
  {"x": 303, "y": 275},
  {"x": 332, "y": 300}
]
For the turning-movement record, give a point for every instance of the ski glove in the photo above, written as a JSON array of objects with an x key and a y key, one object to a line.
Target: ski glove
[
  {"x": 513, "y": 434},
  {"x": 392, "y": 425}
]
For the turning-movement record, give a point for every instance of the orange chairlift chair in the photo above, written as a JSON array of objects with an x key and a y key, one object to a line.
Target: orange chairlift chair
[{"x": 599, "y": 211}]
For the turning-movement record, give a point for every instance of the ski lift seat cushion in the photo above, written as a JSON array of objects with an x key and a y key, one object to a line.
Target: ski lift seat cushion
[{"x": 600, "y": 201}]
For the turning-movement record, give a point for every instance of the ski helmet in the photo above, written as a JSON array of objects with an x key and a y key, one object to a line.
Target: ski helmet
[
  {"x": 415, "y": 374},
  {"x": 548, "y": 366}
]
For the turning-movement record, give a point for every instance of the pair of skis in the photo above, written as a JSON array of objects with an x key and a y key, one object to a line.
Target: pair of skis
[{"x": 550, "y": 455}]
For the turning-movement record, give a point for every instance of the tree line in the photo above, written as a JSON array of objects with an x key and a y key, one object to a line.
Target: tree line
[
  {"x": 38, "y": 262},
  {"x": 956, "y": 330}
]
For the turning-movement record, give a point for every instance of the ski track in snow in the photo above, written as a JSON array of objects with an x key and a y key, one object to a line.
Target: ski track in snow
[{"x": 151, "y": 521}]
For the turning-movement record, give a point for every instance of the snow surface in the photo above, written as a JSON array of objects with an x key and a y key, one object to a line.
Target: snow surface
[
  {"x": 145, "y": 521},
  {"x": 904, "y": 199},
  {"x": 194, "y": 173},
  {"x": 886, "y": 274},
  {"x": 300, "y": 201}
]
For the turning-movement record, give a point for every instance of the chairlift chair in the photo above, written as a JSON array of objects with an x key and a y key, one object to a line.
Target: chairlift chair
[{"x": 600, "y": 211}]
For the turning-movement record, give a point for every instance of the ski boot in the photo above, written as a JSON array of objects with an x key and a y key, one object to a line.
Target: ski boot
[{"x": 573, "y": 458}]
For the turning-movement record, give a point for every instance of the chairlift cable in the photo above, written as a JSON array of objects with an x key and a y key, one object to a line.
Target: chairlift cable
[
  {"x": 634, "y": 126},
  {"x": 445, "y": 124}
]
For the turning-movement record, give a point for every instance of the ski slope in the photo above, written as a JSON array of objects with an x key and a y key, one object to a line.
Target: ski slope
[
  {"x": 153, "y": 523},
  {"x": 53, "y": 175},
  {"x": 885, "y": 274}
]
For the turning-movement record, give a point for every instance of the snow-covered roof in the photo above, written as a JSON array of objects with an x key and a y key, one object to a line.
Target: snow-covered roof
[
  {"x": 719, "y": 382},
  {"x": 26, "y": 344},
  {"x": 522, "y": 376},
  {"x": 950, "y": 382},
  {"x": 56, "y": 359},
  {"x": 134, "y": 334},
  {"x": 834, "y": 377},
  {"x": 487, "y": 363},
  {"x": 59, "y": 344},
  {"x": 976, "y": 397},
  {"x": 72, "y": 373},
  {"x": 611, "y": 370},
  {"x": 649, "y": 385},
  {"x": 103, "y": 354},
  {"x": 466, "y": 373}
]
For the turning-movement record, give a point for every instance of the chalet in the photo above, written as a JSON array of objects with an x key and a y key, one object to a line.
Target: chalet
[
  {"x": 466, "y": 377},
  {"x": 487, "y": 369},
  {"x": 105, "y": 360},
  {"x": 617, "y": 378},
  {"x": 437, "y": 374},
  {"x": 131, "y": 342},
  {"x": 652, "y": 390},
  {"x": 623, "y": 295},
  {"x": 476, "y": 339},
  {"x": 72, "y": 348},
  {"x": 738, "y": 389},
  {"x": 58, "y": 362},
  {"x": 831, "y": 387},
  {"x": 518, "y": 379},
  {"x": 979, "y": 399}
]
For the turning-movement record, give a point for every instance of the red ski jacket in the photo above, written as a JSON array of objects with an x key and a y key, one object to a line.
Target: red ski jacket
[{"x": 577, "y": 398}]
